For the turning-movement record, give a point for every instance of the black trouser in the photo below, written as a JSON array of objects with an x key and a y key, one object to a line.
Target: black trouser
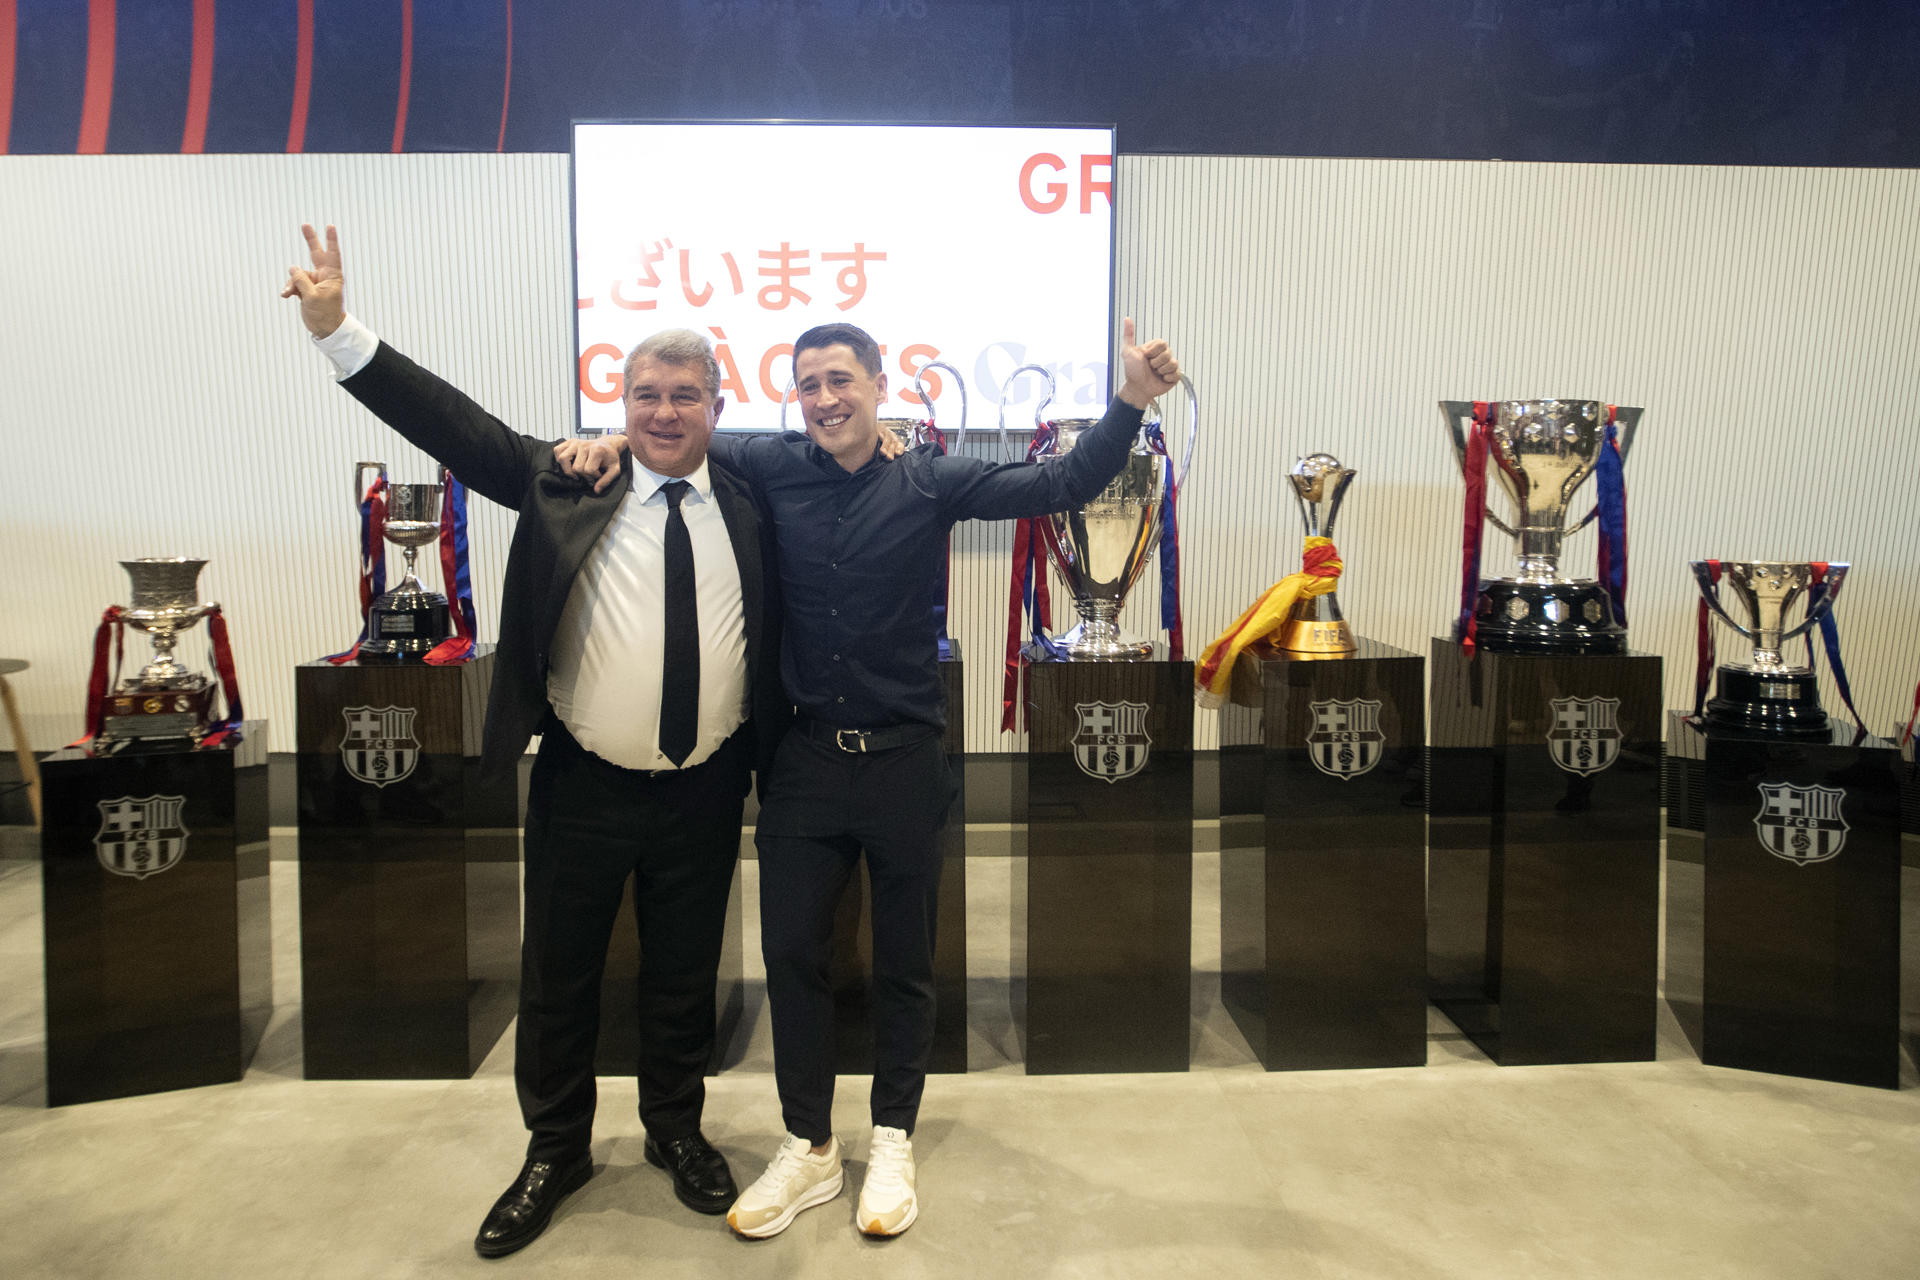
[
  {"x": 823, "y": 807},
  {"x": 590, "y": 825}
]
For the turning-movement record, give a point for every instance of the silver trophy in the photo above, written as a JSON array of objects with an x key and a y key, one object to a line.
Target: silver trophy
[
  {"x": 1315, "y": 625},
  {"x": 1768, "y": 693},
  {"x": 1543, "y": 451},
  {"x": 165, "y": 699},
  {"x": 409, "y": 619},
  {"x": 1102, "y": 548}
]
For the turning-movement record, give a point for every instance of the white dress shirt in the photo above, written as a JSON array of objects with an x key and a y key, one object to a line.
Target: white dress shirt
[{"x": 604, "y": 670}]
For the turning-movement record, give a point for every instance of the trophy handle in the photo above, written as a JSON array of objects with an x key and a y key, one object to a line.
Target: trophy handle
[
  {"x": 359, "y": 473},
  {"x": 1006, "y": 452},
  {"x": 1193, "y": 431},
  {"x": 1710, "y": 593},
  {"x": 1628, "y": 420},
  {"x": 784, "y": 397},
  {"x": 1458, "y": 415},
  {"x": 1836, "y": 574},
  {"x": 926, "y": 402}
]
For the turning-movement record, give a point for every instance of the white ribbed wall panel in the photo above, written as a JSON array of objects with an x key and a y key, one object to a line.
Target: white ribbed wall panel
[{"x": 162, "y": 400}]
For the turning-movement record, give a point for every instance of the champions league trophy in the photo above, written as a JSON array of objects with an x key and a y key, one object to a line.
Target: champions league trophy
[
  {"x": 408, "y": 620},
  {"x": 1315, "y": 625},
  {"x": 1768, "y": 693},
  {"x": 918, "y": 431},
  {"x": 1543, "y": 451},
  {"x": 1101, "y": 548},
  {"x": 165, "y": 700}
]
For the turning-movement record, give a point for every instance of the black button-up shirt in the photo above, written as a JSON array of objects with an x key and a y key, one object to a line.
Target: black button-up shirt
[{"x": 858, "y": 550}]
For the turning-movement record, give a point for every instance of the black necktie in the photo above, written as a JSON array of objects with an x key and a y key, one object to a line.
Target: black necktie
[{"x": 680, "y": 655}]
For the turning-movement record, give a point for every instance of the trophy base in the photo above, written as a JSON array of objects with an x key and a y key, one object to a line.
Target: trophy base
[
  {"x": 1313, "y": 638},
  {"x": 404, "y": 626},
  {"x": 1546, "y": 617},
  {"x": 1785, "y": 703},
  {"x": 1093, "y": 643},
  {"x": 178, "y": 710}
]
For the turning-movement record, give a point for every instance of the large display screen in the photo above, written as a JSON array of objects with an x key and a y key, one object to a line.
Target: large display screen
[{"x": 985, "y": 248}]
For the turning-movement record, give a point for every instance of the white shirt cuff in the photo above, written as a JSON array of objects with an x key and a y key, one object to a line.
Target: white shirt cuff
[{"x": 349, "y": 348}]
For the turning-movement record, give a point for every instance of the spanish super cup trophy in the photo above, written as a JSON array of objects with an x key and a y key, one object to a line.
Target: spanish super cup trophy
[
  {"x": 409, "y": 620},
  {"x": 165, "y": 699},
  {"x": 1315, "y": 625},
  {"x": 1767, "y": 692},
  {"x": 1542, "y": 451},
  {"x": 1101, "y": 549}
]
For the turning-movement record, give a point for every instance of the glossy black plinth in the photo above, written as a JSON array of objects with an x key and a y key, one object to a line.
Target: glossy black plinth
[
  {"x": 1542, "y": 940},
  {"x": 1104, "y": 913},
  {"x": 1323, "y": 940},
  {"x": 154, "y": 888},
  {"x": 1791, "y": 962},
  {"x": 852, "y": 965},
  {"x": 409, "y": 872}
]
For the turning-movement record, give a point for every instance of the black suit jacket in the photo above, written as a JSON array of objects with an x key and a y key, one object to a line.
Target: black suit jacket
[{"x": 560, "y": 519}]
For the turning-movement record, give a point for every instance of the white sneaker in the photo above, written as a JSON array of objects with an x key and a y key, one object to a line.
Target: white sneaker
[
  {"x": 887, "y": 1202},
  {"x": 797, "y": 1179}
]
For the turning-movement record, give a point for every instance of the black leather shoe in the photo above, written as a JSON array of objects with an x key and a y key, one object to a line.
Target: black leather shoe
[
  {"x": 522, "y": 1211},
  {"x": 700, "y": 1175}
]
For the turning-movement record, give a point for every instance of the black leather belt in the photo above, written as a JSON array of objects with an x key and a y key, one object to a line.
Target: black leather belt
[{"x": 862, "y": 741}]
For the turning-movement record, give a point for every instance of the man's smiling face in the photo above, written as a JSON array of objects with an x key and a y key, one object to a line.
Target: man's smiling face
[
  {"x": 839, "y": 401},
  {"x": 670, "y": 416}
]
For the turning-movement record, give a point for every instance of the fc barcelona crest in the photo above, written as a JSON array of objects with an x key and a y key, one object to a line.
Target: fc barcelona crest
[
  {"x": 142, "y": 836},
  {"x": 1346, "y": 740},
  {"x": 1585, "y": 737},
  {"x": 1801, "y": 824},
  {"x": 1112, "y": 741},
  {"x": 379, "y": 747}
]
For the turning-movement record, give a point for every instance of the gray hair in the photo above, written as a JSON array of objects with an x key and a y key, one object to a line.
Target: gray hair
[{"x": 682, "y": 347}]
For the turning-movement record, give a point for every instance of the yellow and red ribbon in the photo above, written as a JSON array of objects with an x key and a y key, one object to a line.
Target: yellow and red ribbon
[{"x": 1320, "y": 567}]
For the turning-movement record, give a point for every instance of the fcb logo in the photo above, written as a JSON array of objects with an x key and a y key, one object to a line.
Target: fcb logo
[
  {"x": 1801, "y": 824},
  {"x": 142, "y": 836},
  {"x": 379, "y": 747},
  {"x": 1112, "y": 740},
  {"x": 1585, "y": 737},
  {"x": 1346, "y": 738}
]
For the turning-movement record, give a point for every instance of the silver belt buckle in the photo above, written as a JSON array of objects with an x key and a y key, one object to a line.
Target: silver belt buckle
[{"x": 859, "y": 737}]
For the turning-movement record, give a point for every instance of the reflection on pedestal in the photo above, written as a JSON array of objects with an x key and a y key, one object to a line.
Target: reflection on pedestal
[
  {"x": 1542, "y": 935},
  {"x": 852, "y": 965},
  {"x": 1791, "y": 964},
  {"x": 409, "y": 872},
  {"x": 154, "y": 887},
  {"x": 1323, "y": 859},
  {"x": 1104, "y": 914}
]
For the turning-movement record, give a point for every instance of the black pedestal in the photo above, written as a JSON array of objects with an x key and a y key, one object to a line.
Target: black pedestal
[
  {"x": 409, "y": 872},
  {"x": 154, "y": 887},
  {"x": 853, "y": 926},
  {"x": 1323, "y": 938},
  {"x": 1791, "y": 964},
  {"x": 1104, "y": 914},
  {"x": 1543, "y": 939}
]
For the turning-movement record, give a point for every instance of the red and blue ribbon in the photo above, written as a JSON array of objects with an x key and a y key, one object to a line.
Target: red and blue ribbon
[
  {"x": 1830, "y": 640},
  {"x": 1170, "y": 616},
  {"x": 1026, "y": 598},
  {"x": 456, "y": 574},
  {"x": 373, "y": 562},
  {"x": 221, "y": 651},
  {"x": 1703, "y": 647},
  {"x": 1610, "y": 476},
  {"x": 1473, "y": 522}
]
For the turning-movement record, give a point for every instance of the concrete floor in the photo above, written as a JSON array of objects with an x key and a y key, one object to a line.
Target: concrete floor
[{"x": 1460, "y": 1168}]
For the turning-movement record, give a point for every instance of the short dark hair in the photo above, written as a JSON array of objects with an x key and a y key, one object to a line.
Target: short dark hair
[{"x": 851, "y": 336}]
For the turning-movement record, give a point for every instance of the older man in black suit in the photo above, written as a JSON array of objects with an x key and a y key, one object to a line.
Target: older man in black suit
[{"x": 639, "y": 636}]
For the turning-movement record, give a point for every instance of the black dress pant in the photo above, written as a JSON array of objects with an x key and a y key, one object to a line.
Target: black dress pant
[
  {"x": 821, "y": 809},
  {"x": 591, "y": 825}
]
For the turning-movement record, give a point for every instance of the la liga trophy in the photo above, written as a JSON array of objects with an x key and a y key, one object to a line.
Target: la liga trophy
[
  {"x": 1767, "y": 692},
  {"x": 1542, "y": 451}
]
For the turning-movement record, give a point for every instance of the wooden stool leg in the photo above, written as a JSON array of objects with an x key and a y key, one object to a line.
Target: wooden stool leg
[{"x": 22, "y": 751}]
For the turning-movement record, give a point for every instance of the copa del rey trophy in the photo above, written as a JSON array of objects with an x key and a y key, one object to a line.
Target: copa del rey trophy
[
  {"x": 165, "y": 701},
  {"x": 410, "y": 622},
  {"x": 1102, "y": 548},
  {"x": 1767, "y": 692},
  {"x": 1542, "y": 452}
]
